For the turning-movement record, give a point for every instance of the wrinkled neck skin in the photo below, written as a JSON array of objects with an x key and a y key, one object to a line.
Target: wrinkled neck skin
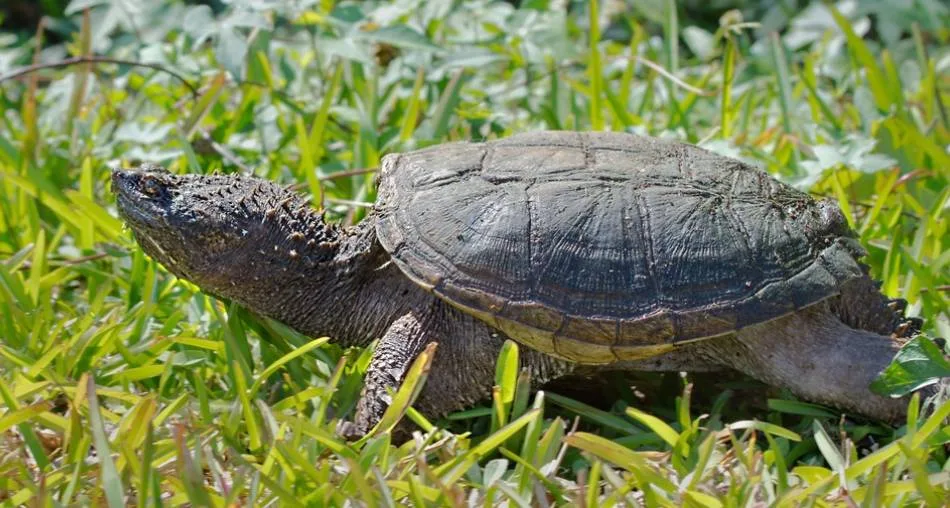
[
  {"x": 351, "y": 296},
  {"x": 261, "y": 245}
]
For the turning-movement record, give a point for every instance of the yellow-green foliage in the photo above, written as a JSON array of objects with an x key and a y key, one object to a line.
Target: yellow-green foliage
[{"x": 121, "y": 385}]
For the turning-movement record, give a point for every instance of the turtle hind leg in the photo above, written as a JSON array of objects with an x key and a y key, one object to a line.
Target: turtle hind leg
[
  {"x": 906, "y": 326},
  {"x": 861, "y": 305},
  {"x": 818, "y": 358}
]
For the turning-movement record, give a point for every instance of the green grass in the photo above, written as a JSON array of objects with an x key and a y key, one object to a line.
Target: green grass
[{"x": 123, "y": 385}]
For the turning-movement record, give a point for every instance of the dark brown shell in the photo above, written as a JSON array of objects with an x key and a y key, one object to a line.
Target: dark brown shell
[{"x": 598, "y": 247}]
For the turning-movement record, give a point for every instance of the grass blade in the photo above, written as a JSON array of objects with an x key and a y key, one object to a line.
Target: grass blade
[
  {"x": 594, "y": 68},
  {"x": 656, "y": 425},
  {"x": 108, "y": 475},
  {"x": 410, "y": 388}
]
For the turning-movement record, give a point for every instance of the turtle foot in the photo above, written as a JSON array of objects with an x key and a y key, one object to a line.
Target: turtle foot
[
  {"x": 350, "y": 431},
  {"x": 906, "y": 326}
]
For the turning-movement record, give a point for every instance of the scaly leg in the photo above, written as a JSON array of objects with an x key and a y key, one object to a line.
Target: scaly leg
[
  {"x": 462, "y": 371},
  {"x": 394, "y": 353},
  {"x": 861, "y": 305},
  {"x": 818, "y": 358}
]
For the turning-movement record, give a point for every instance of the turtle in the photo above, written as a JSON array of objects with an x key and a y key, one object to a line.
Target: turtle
[{"x": 594, "y": 251}]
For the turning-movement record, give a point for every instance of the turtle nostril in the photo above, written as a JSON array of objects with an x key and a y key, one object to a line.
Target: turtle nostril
[
  {"x": 124, "y": 180},
  {"x": 117, "y": 176}
]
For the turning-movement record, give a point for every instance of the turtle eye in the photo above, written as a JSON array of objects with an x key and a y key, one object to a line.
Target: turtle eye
[{"x": 150, "y": 186}]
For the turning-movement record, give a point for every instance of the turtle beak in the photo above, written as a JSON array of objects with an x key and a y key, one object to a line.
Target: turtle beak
[
  {"x": 120, "y": 179},
  {"x": 123, "y": 185}
]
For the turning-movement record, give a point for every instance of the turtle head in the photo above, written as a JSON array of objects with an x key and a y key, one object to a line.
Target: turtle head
[{"x": 223, "y": 232}]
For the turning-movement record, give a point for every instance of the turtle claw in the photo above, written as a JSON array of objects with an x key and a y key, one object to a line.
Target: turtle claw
[
  {"x": 349, "y": 430},
  {"x": 906, "y": 326},
  {"x": 898, "y": 305}
]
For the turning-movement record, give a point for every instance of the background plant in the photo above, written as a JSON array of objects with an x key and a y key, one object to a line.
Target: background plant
[{"x": 121, "y": 384}]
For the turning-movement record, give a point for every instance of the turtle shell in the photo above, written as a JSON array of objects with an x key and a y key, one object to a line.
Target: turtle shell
[{"x": 599, "y": 247}]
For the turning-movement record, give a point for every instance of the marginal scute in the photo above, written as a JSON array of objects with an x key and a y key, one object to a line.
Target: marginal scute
[
  {"x": 582, "y": 339},
  {"x": 839, "y": 260},
  {"x": 445, "y": 164},
  {"x": 538, "y": 339},
  {"x": 469, "y": 298},
  {"x": 712, "y": 323},
  {"x": 545, "y": 318},
  {"x": 595, "y": 247},
  {"x": 583, "y": 350},
  {"x": 772, "y": 301},
  {"x": 642, "y": 331}
]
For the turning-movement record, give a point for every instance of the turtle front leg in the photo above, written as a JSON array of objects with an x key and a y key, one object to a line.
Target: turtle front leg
[
  {"x": 460, "y": 375},
  {"x": 818, "y": 358},
  {"x": 395, "y": 352},
  {"x": 462, "y": 371}
]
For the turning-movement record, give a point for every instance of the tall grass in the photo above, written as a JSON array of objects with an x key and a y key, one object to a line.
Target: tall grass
[{"x": 123, "y": 385}]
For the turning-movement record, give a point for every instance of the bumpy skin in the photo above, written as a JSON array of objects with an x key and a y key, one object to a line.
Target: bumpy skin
[
  {"x": 861, "y": 305},
  {"x": 262, "y": 246}
]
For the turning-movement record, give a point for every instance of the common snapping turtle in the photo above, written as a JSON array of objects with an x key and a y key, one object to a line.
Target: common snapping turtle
[{"x": 593, "y": 249}]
